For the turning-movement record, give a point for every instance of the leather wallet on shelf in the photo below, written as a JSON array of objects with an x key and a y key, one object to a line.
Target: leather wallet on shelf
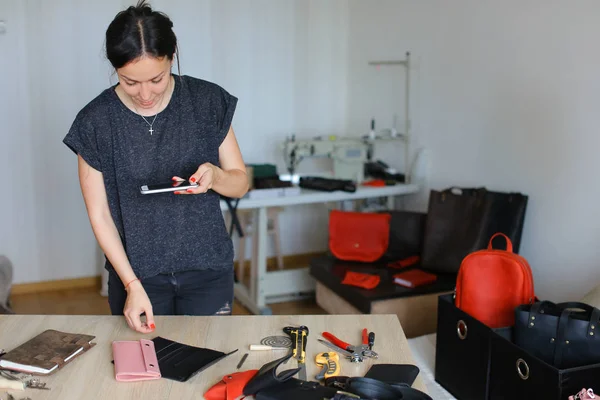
[
  {"x": 180, "y": 362},
  {"x": 47, "y": 352},
  {"x": 414, "y": 278},
  {"x": 135, "y": 360}
]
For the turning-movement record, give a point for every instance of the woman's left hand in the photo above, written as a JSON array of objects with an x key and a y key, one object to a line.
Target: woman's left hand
[{"x": 205, "y": 176}]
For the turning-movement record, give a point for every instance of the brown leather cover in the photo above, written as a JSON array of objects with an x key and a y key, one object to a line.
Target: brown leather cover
[{"x": 48, "y": 349}]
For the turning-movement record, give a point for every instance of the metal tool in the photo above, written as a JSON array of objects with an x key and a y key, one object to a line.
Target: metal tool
[
  {"x": 354, "y": 353},
  {"x": 298, "y": 336},
  {"x": 242, "y": 361},
  {"x": 277, "y": 341},
  {"x": 9, "y": 381},
  {"x": 273, "y": 343},
  {"x": 330, "y": 362},
  {"x": 35, "y": 383}
]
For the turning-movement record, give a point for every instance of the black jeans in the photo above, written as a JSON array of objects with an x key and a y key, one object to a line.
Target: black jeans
[{"x": 204, "y": 292}]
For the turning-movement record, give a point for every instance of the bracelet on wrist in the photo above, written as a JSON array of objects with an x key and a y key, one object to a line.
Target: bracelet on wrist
[{"x": 130, "y": 282}]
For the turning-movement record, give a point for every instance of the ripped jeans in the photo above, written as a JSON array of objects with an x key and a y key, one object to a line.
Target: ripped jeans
[{"x": 205, "y": 292}]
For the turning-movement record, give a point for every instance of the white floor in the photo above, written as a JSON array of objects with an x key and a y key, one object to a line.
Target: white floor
[{"x": 423, "y": 350}]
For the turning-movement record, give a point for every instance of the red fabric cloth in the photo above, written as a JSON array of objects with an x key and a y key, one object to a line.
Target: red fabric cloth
[{"x": 362, "y": 280}]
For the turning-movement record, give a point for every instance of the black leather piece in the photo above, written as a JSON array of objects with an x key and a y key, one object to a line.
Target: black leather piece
[
  {"x": 267, "y": 376},
  {"x": 296, "y": 389},
  {"x": 462, "y": 220},
  {"x": 407, "y": 229},
  {"x": 393, "y": 373},
  {"x": 368, "y": 388},
  {"x": 544, "y": 328},
  {"x": 232, "y": 205},
  {"x": 330, "y": 272},
  {"x": 180, "y": 362}
]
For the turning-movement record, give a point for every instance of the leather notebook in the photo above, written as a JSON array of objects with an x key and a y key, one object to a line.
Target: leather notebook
[
  {"x": 180, "y": 362},
  {"x": 47, "y": 352},
  {"x": 135, "y": 360}
]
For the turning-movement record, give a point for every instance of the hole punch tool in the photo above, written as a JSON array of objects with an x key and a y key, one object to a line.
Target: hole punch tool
[
  {"x": 298, "y": 336},
  {"x": 330, "y": 363},
  {"x": 354, "y": 353}
]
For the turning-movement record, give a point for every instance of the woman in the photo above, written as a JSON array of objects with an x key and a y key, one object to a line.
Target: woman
[{"x": 167, "y": 253}]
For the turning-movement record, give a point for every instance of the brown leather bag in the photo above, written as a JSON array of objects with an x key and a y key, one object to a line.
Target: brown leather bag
[{"x": 491, "y": 283}]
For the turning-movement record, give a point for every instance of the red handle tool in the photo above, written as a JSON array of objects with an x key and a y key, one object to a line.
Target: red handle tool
[{"x": 336, "y": 341}]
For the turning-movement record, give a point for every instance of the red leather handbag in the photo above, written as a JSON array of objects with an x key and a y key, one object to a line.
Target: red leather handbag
[
  {"x": 491, "y": 283},
  {"x": 358, "y": 236}
]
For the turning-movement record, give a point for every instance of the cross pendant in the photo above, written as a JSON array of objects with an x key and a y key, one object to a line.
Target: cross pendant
[{"x": 151, "y": 130}]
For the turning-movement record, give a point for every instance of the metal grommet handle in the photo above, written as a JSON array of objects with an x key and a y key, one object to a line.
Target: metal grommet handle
[
  {"x": 522, "y": 369},
  {"x": 461, "y": 329}
]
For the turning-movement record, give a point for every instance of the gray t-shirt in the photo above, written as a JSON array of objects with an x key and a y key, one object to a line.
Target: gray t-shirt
[{"x": 161, "y": 233}]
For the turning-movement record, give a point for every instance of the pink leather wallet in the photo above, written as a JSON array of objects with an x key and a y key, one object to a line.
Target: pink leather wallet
[{"x": 135, "y": 360}]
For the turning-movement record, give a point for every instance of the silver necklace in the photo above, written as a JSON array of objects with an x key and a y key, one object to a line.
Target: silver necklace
[
  {"x": 156, "y": 115},
  {"x": 149, "y": 124}
]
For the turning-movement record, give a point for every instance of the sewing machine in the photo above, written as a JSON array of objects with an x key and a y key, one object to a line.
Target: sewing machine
[{"x": 348, "y": 154}]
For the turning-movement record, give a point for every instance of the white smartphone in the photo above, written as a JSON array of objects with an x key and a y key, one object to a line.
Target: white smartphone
[{"x": 167, "y": 187}]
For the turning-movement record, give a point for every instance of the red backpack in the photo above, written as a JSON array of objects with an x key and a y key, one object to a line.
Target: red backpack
[{"x": 491, "y": 283}]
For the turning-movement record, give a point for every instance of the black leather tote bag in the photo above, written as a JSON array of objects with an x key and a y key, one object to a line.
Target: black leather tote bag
[
  {"x": 462, "y": 220},
  {"x": 564, "y": 335}
]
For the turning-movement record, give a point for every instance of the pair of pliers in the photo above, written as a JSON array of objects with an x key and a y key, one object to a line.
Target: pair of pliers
[{"x": 354, "y": 353}]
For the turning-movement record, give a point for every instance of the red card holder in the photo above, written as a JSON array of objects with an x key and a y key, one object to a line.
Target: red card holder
[
  {"x": 414, "y": 278},
  {"x": 135, "y": 360}
]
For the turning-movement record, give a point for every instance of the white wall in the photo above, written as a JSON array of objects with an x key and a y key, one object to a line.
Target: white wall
[
  {"x": 506, "y": 96},
  {"x": 503, "y": 95}
]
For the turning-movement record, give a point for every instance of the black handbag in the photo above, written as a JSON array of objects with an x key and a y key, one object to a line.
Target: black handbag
[
  {"x": 557, "y": 334},
  {"x": 462, "y": 220}
]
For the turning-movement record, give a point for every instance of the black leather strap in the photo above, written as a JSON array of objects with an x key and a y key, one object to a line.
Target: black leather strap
[
  {"x": 232, "y": 205},
  {"x": 372, "y": 389},
  {"x": 575, "y": 304},
  {"x": 592, "y": 330},
  {"x": 561, "y": 340}
]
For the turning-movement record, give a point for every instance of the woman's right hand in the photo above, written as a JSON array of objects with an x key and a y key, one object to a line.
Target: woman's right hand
[{"x": 137, "y": 303}]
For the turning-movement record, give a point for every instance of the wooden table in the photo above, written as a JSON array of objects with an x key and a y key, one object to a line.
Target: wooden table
[{"x": 91, "y": 376}]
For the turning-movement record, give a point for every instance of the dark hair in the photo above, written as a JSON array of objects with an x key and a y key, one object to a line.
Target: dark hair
[{"x": 139, "y": 31}]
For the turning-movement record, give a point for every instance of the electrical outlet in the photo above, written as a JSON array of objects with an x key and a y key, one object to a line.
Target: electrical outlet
[{"x": 2, "y": 27}]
